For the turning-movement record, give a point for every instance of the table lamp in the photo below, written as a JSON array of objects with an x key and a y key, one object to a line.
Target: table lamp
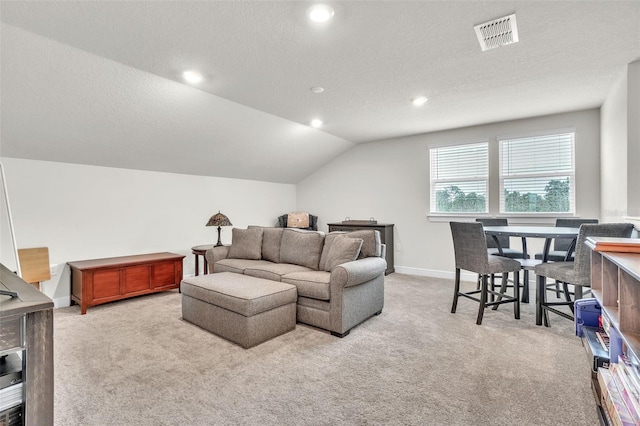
[{"x": 219, "y": 220}]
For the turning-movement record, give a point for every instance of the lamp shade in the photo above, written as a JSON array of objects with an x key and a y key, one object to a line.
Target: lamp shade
[{"x": 219, "y": 219}]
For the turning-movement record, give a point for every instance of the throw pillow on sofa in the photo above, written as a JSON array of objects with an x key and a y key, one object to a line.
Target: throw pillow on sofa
[
  {"x": 343, "y": 249},
  {"x": 371, "y": 245},
  {"x": 301, "y": 247},
  {"x": 246, "y": 244},
  {"x": 271, "y": 238}
]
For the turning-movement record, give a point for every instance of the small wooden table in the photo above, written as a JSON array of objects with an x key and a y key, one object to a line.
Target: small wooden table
[
  {"x": 200, "y": 251},
  {"x": 98, "y": 281}
]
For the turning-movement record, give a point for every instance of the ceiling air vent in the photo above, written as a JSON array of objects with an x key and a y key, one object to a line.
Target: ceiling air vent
[{"x": 497, "y": 33}]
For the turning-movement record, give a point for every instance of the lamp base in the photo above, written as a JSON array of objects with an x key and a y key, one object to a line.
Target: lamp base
[{"x": 219, "y": 243}]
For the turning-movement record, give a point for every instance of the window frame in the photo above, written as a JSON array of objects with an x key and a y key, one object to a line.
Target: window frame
[
  {"x": 571, "y": 174},
  {"x": 433, "y": 182}
]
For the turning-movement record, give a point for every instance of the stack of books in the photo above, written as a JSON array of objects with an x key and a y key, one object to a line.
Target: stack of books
[{"x": 620, "y": 388}]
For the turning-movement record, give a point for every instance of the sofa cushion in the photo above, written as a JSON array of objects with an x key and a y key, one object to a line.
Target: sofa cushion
[
  {"x": 271, "y": 238},
  {"x": 371, "y": 242},
  {"x": 246, "y": 244},
  {"x": 343, "y": 249},
  {"x": 273, "y": 271},
  {"x": 328, "y": 241},
  {"x": 313, "y": 284},
  {"x": 301, "y": 247},
  {"x": 236, "y": 265}
]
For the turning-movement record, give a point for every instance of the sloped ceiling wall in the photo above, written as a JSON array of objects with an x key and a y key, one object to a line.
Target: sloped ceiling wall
[{"x": 63, "y": 104}]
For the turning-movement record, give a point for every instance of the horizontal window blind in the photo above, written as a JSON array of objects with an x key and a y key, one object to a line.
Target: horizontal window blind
[
  {"x": 537, "y": 174},
  {"x": 459, "y": 176}
]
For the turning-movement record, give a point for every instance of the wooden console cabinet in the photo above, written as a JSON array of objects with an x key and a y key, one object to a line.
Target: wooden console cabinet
[
  {"x": 98, "y": 281},
  {"x": 386, "y": 236}
]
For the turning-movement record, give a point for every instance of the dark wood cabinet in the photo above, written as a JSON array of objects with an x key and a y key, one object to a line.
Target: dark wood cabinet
[
  {"x": 386, "y": 236},
  {"x": 105, "y": 280},
  {"x": 27, "y": 327}
]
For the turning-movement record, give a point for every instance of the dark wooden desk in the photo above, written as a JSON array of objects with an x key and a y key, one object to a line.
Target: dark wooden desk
[
  {"x": 386, "y": 237},
  {"x": 200, "y": 251},
  {"x": 27, "y": 326}
]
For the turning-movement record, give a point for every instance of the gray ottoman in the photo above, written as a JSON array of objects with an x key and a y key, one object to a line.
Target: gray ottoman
[{"x": 243, "y": 309}]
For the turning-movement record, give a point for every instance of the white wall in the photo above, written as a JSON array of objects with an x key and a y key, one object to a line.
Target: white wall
[
  {"x": 389, "y": 180},
  {"x": 620, "y": 149},
  {"x": 85, "y": 212},
  {"x": 613, "y": 153}
]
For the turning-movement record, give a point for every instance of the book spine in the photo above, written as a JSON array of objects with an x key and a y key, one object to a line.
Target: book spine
[
  {"x": 626, "y": 395},
  {"x": 614, "y": 401}
]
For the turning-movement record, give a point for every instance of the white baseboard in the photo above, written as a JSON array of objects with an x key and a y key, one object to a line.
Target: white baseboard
[
  {"x": 62, "y": 302},
  {"x": 448, "y": 275}
]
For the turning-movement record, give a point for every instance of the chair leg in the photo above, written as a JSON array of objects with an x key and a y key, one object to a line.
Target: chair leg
[
  {"x": 483, "y": 298},
  {"x": 557, "y": 289},
  {"x": 503, "y": 289},
  {"x": 545, "y": 313},
  {"x": 456, "y": 291},
  {"x": 525, "y": 287},
  {"x": 540, "y": 289},
  {"x": 516, "y": 294}
]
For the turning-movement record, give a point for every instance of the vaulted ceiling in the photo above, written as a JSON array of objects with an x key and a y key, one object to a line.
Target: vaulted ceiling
[{"x": 99, "y": 82}]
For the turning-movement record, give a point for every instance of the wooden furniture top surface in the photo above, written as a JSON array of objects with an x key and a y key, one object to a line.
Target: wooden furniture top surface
[
  {"x": 359, "y": 224},
  {"x": 612, "y": 244},
  {"x": 124, "y": 260},
  {"x": 29, "y": 299}
]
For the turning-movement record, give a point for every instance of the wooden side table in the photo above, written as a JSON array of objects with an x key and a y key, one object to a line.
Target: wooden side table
[{"x": 200, "y": 251}]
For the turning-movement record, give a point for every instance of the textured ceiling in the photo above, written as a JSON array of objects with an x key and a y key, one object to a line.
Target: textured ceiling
[{"x": 372, "y": 58}]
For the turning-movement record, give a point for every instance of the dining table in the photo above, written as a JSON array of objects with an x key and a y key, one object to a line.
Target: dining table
[{"x": 529, "y": 231}]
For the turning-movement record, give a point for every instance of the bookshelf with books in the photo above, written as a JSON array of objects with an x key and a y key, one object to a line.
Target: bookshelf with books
[
  {"x": 26, "y": 353},
  {"x": 615, "y": 283}
]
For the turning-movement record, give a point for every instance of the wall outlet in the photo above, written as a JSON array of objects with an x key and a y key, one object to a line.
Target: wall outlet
[
  {"x": 53, "y": 270},
  {"x": 398, "y": 247}
]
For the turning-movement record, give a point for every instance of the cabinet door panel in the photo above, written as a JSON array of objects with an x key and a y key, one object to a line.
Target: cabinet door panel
[
  {"x": 136, "y": 279},
  {"x": 164, "y": 274},
  {"x": 106, "y": 283}
]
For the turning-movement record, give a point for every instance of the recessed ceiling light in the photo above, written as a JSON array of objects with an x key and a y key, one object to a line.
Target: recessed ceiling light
[
  {"x": 317, "y": 89},
  {"x": 316, "y": 123},
  {"x": 419, "y": 101},
  {"x": 192, "y": 77},
  {"x": 320, "y": 13}
]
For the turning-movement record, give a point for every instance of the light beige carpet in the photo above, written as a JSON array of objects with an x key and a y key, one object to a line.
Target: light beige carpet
[{"x": 136, "y": 362}]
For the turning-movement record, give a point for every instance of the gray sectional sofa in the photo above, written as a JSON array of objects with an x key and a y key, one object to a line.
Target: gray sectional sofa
[{"x": 339, "y": 276}]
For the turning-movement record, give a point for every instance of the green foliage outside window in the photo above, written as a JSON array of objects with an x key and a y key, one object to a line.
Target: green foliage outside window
[
  {"x": 554, "y": 200},
  {"x": 453, "y": 199}
]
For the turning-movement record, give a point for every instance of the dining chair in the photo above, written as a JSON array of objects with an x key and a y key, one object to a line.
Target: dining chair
[
  {"x": 576, "y": 273},
  {"x": 470, "y": 248},
  {"x": 507, "y": 251},
  {"x": 560, "y": 245}
]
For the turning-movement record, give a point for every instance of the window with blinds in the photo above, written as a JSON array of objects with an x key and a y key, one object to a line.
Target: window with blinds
[
  {"x": 537, "y": 174},
  {"x": 459, "y": 178}
]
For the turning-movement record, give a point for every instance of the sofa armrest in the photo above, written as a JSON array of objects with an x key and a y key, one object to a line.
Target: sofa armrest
[
  {"x": 359, "y": 271},
  {"x": 214, "y": 254}
]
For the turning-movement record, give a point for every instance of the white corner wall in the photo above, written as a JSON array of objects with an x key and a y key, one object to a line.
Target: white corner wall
[
  {"x": 389, "y": 180},
  {"x": 85, "y": 212},
  {"x": 620, "y": 149}
]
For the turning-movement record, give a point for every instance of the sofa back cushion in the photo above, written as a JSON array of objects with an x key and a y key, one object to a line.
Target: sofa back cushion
[
  {"x": 271, "y": 239},
  {"x": 246, "y": 244},
  {"x": 301, "y": 247},
  {"x": 371, "y": 244},
  {"x": 343, "y": 249}
]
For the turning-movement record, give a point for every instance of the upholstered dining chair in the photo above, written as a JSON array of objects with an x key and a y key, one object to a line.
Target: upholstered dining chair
[
  {"x": 560, "y": 245},
  {"x": 507, "y": 251},
  {"x": 470, "y": 248},
  {"x": 576, "y": 273}
]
